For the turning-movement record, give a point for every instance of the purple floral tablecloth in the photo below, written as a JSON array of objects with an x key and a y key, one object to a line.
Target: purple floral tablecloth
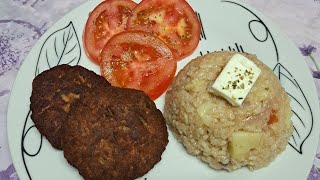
[{"x": 22, "y": 22}]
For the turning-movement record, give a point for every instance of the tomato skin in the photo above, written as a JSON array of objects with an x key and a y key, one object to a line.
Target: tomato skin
[
  {"x": 174, "y": 22},
  {"x": 138, "y": 60},
  {"x": 107, "y": 19}
]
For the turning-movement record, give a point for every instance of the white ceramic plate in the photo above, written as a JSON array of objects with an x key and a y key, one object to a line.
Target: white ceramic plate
[{"x": 225, "y": 25}]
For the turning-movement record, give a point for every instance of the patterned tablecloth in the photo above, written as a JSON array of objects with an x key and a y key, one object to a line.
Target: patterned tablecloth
[{"x": 22, "y": 22}]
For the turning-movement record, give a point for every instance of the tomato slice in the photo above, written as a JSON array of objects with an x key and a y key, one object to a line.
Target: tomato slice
[
  {"x": 138, "y": 60},
  {"x": 172, "y": 21},
  {"x": 108, "y": 18}
]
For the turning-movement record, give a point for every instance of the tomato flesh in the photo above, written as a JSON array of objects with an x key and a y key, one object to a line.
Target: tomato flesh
[
  {"x": 273, "y": 118},
  {"x": 138, "y": 60},
  {"x": 108, "y": 18},
  {"x": 172, "y": 21}
]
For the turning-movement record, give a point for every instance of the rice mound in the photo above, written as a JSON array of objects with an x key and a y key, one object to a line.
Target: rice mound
[{"x": 204, "y": 123}]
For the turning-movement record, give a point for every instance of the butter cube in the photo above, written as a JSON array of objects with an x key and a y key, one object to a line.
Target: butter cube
[{"x": 236, "y": 80}]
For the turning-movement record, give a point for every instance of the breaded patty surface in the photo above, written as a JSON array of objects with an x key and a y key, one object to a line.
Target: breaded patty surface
[
  {"x": 114, "y": 133},
  {"x": 53, "y": 93}
]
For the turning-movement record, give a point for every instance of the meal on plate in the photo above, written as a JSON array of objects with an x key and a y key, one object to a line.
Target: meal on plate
[
  {"x": 105, "y": 132},
  {"x": 54, "y": 92},
  {"x": 138, "y": 45},
  {"x": 229, "y": 110}
]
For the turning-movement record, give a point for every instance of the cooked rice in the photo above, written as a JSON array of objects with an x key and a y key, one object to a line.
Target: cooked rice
[{"x": 208, "y": 136}]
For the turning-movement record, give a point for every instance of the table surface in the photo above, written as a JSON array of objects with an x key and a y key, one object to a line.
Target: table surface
[{"x": 300, "y": 20}]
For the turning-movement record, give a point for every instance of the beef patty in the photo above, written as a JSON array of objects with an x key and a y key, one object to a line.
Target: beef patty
[
  {"x": 114, "y": 133},
  {"x": 53, "y": 93}
]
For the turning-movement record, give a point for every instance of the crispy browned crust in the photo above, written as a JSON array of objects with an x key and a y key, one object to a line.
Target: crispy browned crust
[
  {"x": 53, "y": 93},
  {"x": 114, "y": 133}
]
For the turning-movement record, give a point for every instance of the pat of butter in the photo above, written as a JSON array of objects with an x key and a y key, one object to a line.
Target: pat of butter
[{"x": 236, "y": 79}]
